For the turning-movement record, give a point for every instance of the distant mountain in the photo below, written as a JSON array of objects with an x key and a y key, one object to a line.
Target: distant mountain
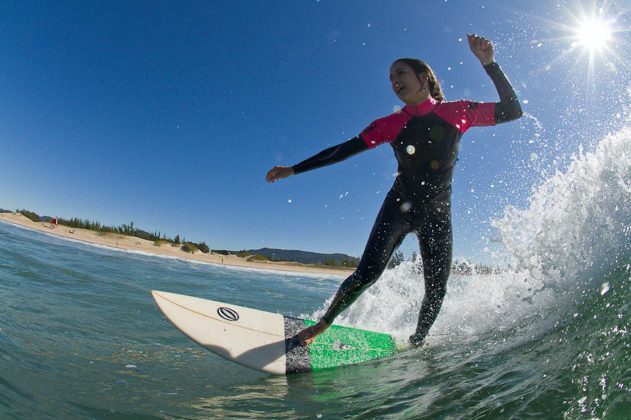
[{"x": 303, "y": 257}]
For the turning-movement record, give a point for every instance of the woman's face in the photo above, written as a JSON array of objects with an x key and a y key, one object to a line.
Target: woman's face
[{"x": 406, "y": 85}]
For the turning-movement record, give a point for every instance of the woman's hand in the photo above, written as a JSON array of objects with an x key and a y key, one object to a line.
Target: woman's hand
[
  {"x": 279, "y": 172},
  {"x": 482, "y": 48}
]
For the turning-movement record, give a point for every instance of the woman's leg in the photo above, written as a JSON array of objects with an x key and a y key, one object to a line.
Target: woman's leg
[
  {"x": 435, "y": 238},
  {"x": 387, "y": 234}
]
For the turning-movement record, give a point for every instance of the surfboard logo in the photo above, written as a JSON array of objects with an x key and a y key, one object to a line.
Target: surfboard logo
[
  {"x": 338, "y": 345},
  {"x": 228, "y": 314}
]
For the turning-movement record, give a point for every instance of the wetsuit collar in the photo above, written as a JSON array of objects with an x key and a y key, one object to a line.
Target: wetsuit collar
[{"x": 423, "y": 108}]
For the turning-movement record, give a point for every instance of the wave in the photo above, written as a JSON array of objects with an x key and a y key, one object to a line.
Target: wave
[{"x": 577, "y": 223}]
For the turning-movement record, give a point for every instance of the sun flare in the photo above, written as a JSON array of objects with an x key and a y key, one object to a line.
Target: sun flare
[
  {"x": 593, "y": 34},
  {"x": 597, "y": 33}
]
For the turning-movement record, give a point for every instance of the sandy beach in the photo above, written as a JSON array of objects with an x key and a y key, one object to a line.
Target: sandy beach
[{"x": 130, "y": 243}]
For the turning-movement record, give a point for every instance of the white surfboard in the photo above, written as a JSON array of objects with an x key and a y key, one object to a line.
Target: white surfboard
[{"x": 262, "y": 340}]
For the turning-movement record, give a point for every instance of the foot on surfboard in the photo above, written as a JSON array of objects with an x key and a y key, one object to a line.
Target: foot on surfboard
[
  {"x": 416, "y": 340},
  {"x": 309, "y": 334}
]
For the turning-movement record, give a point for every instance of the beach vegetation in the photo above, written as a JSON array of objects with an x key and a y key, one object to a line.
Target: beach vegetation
[
  {"x": 203, "y": 247},
  {"x": 350, "y": 262},
  {"x": 222, "y": 252},
  {"x": 313, "y": 259},
  {"x": 189, "y": 247},
  {"x": 257, "y": 257},
  {"x": 329, "y": 262},
  {"x": 347, "y": 262},
  {"x": 124, "y": 229},
  {"x": 146, "y": 235},
  {"x": 340, "y": 260},
  {"x": 397, "y": 259},
  {"x": 29, "y": 215}
]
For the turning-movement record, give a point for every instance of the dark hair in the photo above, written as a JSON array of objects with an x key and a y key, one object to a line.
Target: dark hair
[{"x": 420, "y": 67}]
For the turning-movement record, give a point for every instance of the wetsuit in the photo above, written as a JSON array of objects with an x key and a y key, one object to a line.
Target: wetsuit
[{"x": 425, "y": 139}]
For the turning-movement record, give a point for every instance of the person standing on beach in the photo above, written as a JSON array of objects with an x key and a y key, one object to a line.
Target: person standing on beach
[{"x": 425, "y": 137}]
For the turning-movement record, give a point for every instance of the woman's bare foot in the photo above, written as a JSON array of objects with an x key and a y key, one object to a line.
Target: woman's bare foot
[{"x": 309, "y": 334}]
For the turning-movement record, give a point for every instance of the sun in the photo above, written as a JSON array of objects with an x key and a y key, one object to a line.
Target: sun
[
  {"x": 597, "y": 35},
  {"x": 590, "y": 38},
  {"x": 593, "y": 34}
]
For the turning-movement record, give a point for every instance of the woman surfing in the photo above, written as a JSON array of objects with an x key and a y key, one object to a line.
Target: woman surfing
[{"x": 425, "y": 137}]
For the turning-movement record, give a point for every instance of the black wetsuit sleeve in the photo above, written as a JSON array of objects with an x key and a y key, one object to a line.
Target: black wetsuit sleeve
[
  {"x": 332, "y": 155},
  {"x": 508, "y": 108}
]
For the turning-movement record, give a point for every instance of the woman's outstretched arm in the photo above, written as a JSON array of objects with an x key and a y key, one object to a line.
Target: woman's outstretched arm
[
  {"x": 508, "y": 108},
  {"x": 326, "y": 157}
]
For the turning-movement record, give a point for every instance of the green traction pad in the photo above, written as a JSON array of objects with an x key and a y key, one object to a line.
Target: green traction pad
[{"x": 339, "y": 346}]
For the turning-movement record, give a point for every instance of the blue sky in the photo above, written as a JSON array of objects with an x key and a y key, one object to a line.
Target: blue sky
[{"x": 169, "y": 114}]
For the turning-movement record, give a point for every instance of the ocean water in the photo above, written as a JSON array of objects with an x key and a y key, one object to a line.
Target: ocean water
[{"x": 80, "y": 336}]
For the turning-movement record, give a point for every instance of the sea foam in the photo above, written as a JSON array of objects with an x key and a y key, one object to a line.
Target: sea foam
[{"x": 577, "y": 223}]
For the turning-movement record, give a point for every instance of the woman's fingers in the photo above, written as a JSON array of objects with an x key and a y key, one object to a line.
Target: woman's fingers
[
  {"x": 272, "y": 175},
  {"x": 481, "y": 47},
  {"x": 478, "y": 42},
  {"x": 278, "y": 172}
]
